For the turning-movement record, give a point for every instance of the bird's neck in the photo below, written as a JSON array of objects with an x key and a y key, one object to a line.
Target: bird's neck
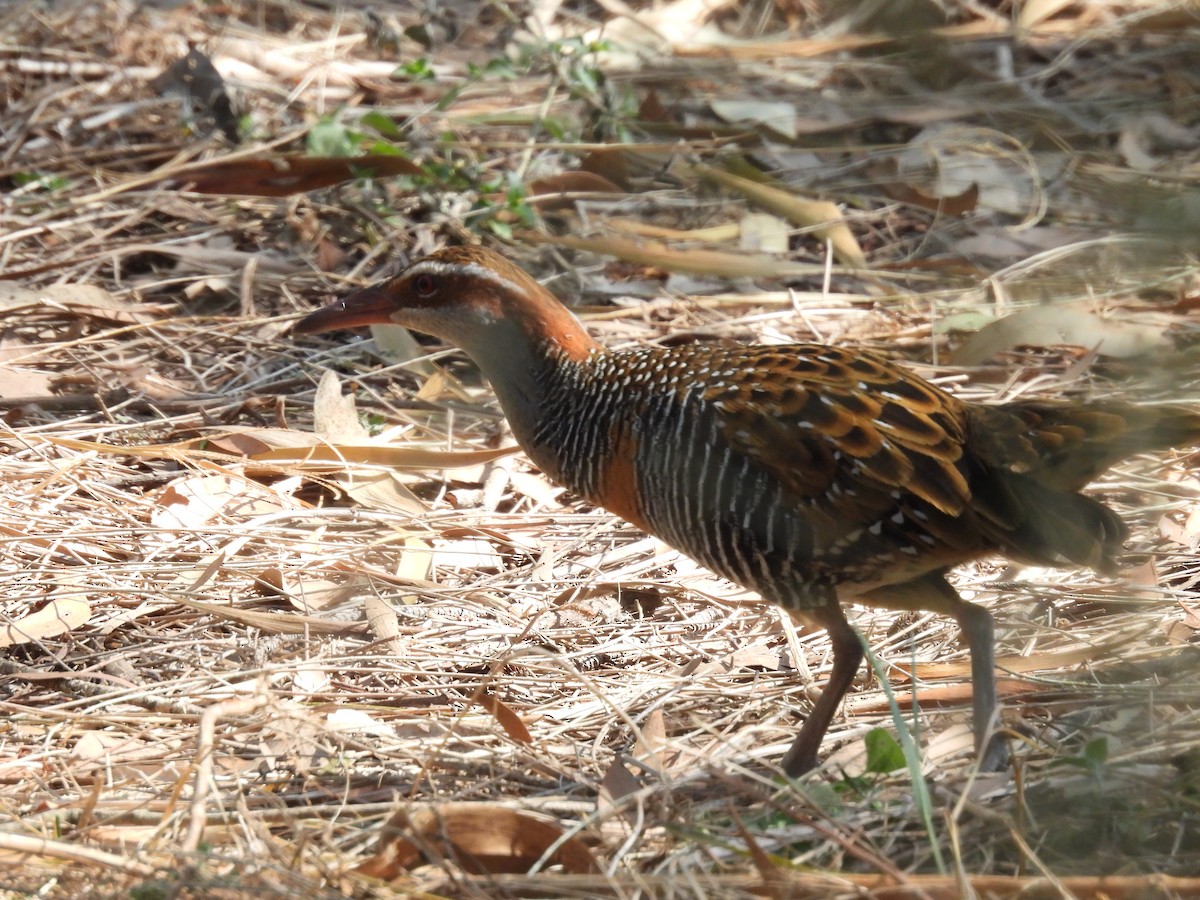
[{"x": 526, "y": 359}]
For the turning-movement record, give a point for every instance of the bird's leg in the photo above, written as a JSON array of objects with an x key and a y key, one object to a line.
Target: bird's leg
[
  {"x": 847, "y": 656},
  {"x": 933, "y": 593},
  {"x": 977, "y": 627}
]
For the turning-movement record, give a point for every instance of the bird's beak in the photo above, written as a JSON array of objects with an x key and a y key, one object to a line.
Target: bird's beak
[{"x": 369, "y": 306}]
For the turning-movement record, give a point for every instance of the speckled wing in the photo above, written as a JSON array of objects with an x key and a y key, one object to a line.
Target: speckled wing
[{"x": 846, "y": 431}]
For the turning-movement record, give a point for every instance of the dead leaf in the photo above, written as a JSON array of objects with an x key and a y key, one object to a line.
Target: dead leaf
[
  {"x": 948, "y": 206},
  {"x": 955, "y": 160},
  {"x": 282, "y": 176},
  {"x": 651, "y": 739},
  {"x": 1034, "y": 12},
  {"x": 618, "y": 783},
  {"x": 303, "y": 450},
  {"x": 764, "y": 233},
  {"x": 823, "y": 217},
  {"x": 59, "y": 616},
  {"x": 59, "y": 547},
  {"x": 323, "y": 595},
  {"x": 380, "y": 490},
  {"x": 554, "y": 192},
  {"x": 198, "y": 499},
  {"x": 414, "y": 565},
  {"x": 696, "y": 262},
  {"x": 382, "y": 621},
  {"x": 480, "y": 838},
  {"x": 1184, "y": 535},
  {"x": 758, "y": 655},
  {"x": 610, "y": 163},
  {"x": 471, "y": 552},
  {"x": 505, "y": 716},
  {"x": 391, "y": 456},
  {"x": 357, "y": 720},
  {"x": 19, "y": 381},
  {"x": 335, "y": 417},
  {"x": 1179, "y": 634},
  {"x": 397, "y": 345},
  {"x": 713, "y": 234},
  {"x": 84, "y": 299},
  {"x": 779, "y": 117},
  {"x": 1064, "y": 323},
  {"x": 273, "y": 623}
]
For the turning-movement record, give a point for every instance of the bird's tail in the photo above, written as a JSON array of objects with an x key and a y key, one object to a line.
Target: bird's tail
[{"x": 1039, "y": 455}]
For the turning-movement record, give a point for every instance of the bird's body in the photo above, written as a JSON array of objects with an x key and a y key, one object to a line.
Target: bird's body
[{"x": 810, "y": 474}]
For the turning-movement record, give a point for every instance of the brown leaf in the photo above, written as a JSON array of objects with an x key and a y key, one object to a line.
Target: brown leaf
[
  {"x": 618, "y": 783},
  {"x": 825, "y": 219},
  {"x": 695, "y": 262},
  {"x": 1034, "y": 12},
  {"x": 396, "y": 457},
  {"x": 949, "y": 206},
  {"x": 317, "y": 595},
  {"x": 273, "y": 623},
  {"x": 380, "y": 490},
  {"x": 59, "y": 616},
  {"x": 651, "y": 739},
  {"x": 504, "y": 714},
  {"x": 282, "y": 176},
  {"x": 758, "y": 655},
  {"x": 1179, "y": 633},
  {"x": 553, "y": 191},
  {"x": 1071, "y": 324},
  {"x": 610, "y": 163},
  {"x": 480, "y": 838},
  {"x": 302, "y": 450},
  {"x": 18, "y": 382},
  {"x": 83, "y": 299}
]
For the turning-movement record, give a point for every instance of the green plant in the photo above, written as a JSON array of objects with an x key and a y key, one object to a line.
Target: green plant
[{"x": 1091, "y": 760}]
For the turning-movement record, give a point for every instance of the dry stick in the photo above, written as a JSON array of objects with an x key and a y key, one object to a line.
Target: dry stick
[
  {"x": 205, "y": 746},
  {"x": 36, "y": 846},
  {"x": 82, "y": 687}
]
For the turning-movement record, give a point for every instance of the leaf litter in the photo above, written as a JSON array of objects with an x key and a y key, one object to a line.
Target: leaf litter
[{"x": 330, "y": 638}]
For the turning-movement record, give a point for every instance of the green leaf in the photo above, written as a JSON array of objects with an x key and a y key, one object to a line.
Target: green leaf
[
  {"x": 330, "y": 137},
  {"x": 384, "y": 124},
  {"x": 500, "y": 229},
  {"x": 884, "y": 753},
  {"x": 43, "y": 180},
  {"x": 418, "y": 70},
  {"x": 1096, "y": 752},
  {"x": 450, "y": 96}
]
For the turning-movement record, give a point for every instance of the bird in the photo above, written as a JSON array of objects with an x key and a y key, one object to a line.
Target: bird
[{"x": 814, "y": 475}]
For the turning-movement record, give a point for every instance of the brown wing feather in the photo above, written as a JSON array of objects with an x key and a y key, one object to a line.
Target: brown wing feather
[{"x": 833, "y": 423}]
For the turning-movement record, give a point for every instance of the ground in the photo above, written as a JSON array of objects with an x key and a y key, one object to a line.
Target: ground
[{"x": 269, "y": 631}]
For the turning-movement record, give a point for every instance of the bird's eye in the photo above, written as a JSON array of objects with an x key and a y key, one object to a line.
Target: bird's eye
[{"x": 425, "y": 285}]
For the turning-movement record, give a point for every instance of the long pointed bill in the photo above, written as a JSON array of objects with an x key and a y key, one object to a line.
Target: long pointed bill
[{"x": 369, "y": 306}]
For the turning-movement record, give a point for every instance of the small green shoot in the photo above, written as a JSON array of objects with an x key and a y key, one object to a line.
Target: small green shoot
[
  {"x": 383, "y": 124},
  {"x": 1091, "y": 760},
  {"x": 417, "y": 70},
  {"x": 884, "y": 753},
  {"x": 912, "y": 755},
  {"x": 41, "y": 181},
  {"x": 329, "y": 137}
]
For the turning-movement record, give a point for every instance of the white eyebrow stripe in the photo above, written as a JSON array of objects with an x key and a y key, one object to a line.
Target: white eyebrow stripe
[{"x": 437, "y": 267}]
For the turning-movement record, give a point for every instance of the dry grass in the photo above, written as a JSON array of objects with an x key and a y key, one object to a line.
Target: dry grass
[{"x": 239, "y": 695}]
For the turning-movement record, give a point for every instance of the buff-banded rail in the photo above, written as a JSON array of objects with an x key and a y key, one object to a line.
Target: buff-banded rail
[{"x": 813, "y": 475}]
